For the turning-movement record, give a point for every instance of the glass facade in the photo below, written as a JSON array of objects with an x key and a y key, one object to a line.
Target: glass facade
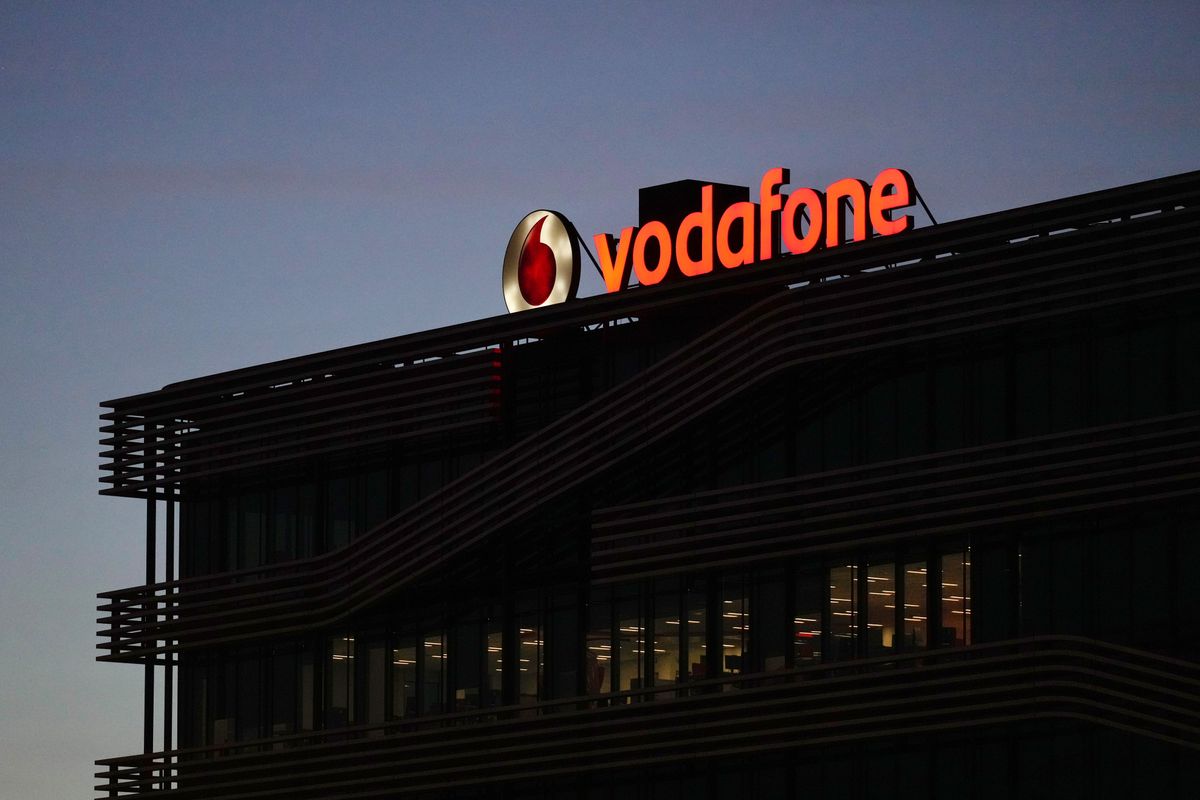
[{"x": 1088, "y": 578}]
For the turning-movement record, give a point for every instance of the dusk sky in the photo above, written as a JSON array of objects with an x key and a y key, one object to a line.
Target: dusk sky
[{"x": 187, "y": 188}]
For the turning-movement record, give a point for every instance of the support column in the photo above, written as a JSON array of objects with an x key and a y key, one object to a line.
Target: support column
[
  {"x": 169, "y": 673},
  {"x": 148, "y": 698}
]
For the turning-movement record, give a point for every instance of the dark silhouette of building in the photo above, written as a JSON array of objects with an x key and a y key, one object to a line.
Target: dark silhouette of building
[{"x": 912, "y": 517}]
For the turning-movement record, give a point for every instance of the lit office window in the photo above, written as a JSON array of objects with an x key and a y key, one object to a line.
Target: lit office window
[
  {"x": 843, "y": 612},
  {"x": 598, "y": 658},
  {"x": 665, "y": 655},
  {"x": 339, "y": 709},
  {"x": 530, "y": 657},
  {"x": 631, "y": 639},
  {"x": 695, "y": 628},
  {"x": 494, "y": 662},
  {"x": 881, "y": 609},
  {"x": 916, "y": 615},
  {"x": 404, "y": 678},
  {"x": 956, "y": 599},
  {"x": 806, "y": 624},
  {"x": 735, "y": 624},
  {"x": 433, "y": 673}
]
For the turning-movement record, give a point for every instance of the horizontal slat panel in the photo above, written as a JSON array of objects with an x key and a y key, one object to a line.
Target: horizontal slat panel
[
  {"x": 961, "y": 490},
  {"x": 301, "y": 420},
  {"x": 984, "y": 685}
]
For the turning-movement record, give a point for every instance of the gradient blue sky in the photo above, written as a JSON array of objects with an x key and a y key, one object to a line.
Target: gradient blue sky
[{"x": 187, "y": 188}]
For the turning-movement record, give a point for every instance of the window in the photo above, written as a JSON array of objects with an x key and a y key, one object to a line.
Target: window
[
  {"x": 339, "y": 706},
  {"x": 493, "y": 666},
  {"x": 956, "y": 599},
  {"x": 665, "y": 654},
  {"x": 881, "y": 609},
  {"x": 806, "y": 621},
  {"x": 530, "y": 650},
  {"x": 598, "y": 647},
  {"x": 843, "y": 612},
  {"x": 631, "y": 638},
  {"x": 694, "y": 628},
  {"x": 735, "y": 624},
  {"x": 433, "y": 672},
  {"x": 404, "y": 678},
  {"x": 916, "y": 615}
]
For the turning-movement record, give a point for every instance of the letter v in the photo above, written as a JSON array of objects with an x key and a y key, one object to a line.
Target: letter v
[{"x": 616, "y": 275}]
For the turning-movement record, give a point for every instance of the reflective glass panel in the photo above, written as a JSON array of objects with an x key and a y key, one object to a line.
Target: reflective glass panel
[
  {"x": 735, "y": 624},
  {"x": 340, "y": 708},
  {"x": 404, "y": 678},
  {"x": 530, "y": 658},
  {"x": 806, "y": 625},
  {"x": 881, "y": 609},
  {"x": 494, "y": 664},
  {"x": 433, "y": 681},
  {"x": 631, "y": 637},
  {"x": 916, "y": 617},
  {"x": 599, "y": 649},
  {"x": 667, "y": 631},
  {"x": 843, "y": 611},
  {"x": 696, "y": 609},
  {"x": 375, "y": 690},
  {"x": 956, "y": 599}
]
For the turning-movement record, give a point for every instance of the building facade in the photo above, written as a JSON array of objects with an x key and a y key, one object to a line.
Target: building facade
[{"x": 917, "y": 516}]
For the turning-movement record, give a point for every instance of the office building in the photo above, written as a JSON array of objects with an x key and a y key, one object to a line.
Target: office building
[{"x": 914, "y": 516}]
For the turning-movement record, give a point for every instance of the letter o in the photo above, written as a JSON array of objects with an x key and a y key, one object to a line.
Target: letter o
[
  {"x": 815, "y": 203},
  {"x": 645, "y": 275}
]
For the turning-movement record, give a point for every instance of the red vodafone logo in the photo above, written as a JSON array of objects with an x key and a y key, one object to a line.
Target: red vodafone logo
[{"x": 541, "y": 263}]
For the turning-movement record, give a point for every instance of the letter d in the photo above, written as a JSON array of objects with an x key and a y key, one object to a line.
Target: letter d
[{"x": 702, "y": 219}]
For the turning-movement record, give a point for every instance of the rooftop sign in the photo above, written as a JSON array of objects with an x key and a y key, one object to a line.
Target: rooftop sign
[{"x": 689, "y": 227}]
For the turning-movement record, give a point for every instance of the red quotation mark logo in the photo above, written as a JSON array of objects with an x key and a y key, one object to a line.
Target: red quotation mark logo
[
  {"x": 541, "y": 264},
  {"x": 535, "y": 271}
]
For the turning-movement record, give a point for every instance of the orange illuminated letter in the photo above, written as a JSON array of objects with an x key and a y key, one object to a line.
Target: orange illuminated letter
[
  {"x": 616, "y": 273},
  {"x": 882, "y": 201},
  {"x": 702, "y": 220},
  {"x": 811, "y": 200},
  {"x": 854, "y": 191},
  {"x": 645, "y": 275},
  {"x": 744, "y": 254},
  {"x": 769, "y": 207}
]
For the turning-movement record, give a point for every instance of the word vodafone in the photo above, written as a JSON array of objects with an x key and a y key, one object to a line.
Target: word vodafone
[{"x": 748, "y": 233}]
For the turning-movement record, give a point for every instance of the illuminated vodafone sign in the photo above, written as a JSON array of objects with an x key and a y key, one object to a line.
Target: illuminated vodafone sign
[
  {"x": 746, "y": 233},
  {"x": 688, "y": 228}
]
